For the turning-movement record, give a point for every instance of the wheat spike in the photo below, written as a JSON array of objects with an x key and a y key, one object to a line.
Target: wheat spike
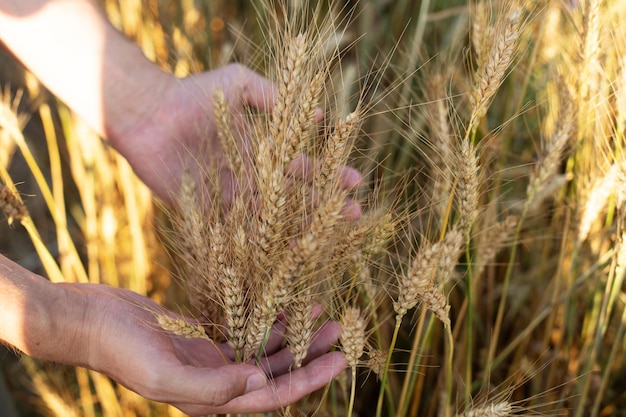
[
  {"x": 502, "y": 52},
  {"x": 467, "y": 186},
  {"x": 481, "y": 33},
  {"x": 443, "y": 147},
  {"x": 11, "y": 205},
  {"x": 233, "y": 298},
  {"x": 501, "y": 409},
  {"x": 376, "y": 360},
  {"x": 302, "y": 124},
  {"x": 300, "y": 323},
  {"x": 352, "y": 337},
  {"x": 225, "y": 133},
  {"x": 271, "y": 222},
  {"x": 290, "y": 80},
  {"x": 11, "y": 123},
  {"x": 180, "y": 327},
  {"x": 433, "y": 263},
  {"x": 335, "y": 153},
  {"x": 597, "y": 200},
  {"x": 554, "y": 147},
  {"x": 490, "y": 244},
  {"x": 590, "y": 49}
]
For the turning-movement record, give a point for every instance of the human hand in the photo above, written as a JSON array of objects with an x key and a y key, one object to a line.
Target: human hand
[
  {"x": 182, "y": 134},
  {"x": 121, "y": 338}
]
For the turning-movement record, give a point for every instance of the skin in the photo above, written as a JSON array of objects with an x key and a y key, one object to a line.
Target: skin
[{"x": 162, "y": 125}]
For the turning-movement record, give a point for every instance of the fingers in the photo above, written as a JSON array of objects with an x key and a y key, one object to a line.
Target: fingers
[
  {"x": 281, "y": 362},
  {"x": 304, "y": 168},
  {"x": 257, "y": 91},
  {"x": 288, "y": 388}
]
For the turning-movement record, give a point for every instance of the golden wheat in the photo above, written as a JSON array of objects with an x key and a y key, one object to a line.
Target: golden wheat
[
  {"x": 352, "y": 335},
  {"x": 11, "y": 205},
  {"x": 225, "y": 133},
  {"x": 501, "y": 54},
  {"x": 432, "y": 265},
  {"x": 501, "y": 409}
]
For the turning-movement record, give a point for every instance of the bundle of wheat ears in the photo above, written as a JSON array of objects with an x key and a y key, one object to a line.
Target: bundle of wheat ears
[
  {"x": 284, "y": 239},
  {"x": 284, "y": 243}
]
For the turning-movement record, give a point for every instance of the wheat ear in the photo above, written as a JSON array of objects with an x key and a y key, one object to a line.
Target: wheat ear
[
  {"x": 288, "y": 84},
  {"x": 11, "y": 121},
  {"x": 335, "y": 153},
  {"x": 501, "y": 409},
  {"x": 352, "y": 341},
  {"x": 502, "y": 53},
  {"x": 433, "y": 263},
  {"x": 11, "y": 205},
  {"x": 225, "y": 133},
  {"x": 299, "y": 333},
  {"x": 554, "y": 147},
  {"x": 468, "y": 185}
]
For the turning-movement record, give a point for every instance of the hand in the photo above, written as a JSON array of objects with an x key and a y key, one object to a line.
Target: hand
[
  {"x": 182, "y": 134},
  {"x": 124, "y": 342}
]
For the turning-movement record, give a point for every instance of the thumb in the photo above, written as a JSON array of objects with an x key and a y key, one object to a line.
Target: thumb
[
  {"x": 258, "y": 91},
  {"x": 212, "y": 387}
]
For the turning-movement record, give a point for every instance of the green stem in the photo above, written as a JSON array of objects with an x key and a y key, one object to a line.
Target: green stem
[
  {"x": 352, "y": 392},
  {"x": 384, "y": 378}
]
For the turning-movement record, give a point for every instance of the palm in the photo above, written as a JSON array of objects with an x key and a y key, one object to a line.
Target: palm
[{"x": 191, "y": 373}]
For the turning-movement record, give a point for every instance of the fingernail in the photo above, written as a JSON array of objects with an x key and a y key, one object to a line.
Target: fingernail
[{"x": 255, "y": 382}]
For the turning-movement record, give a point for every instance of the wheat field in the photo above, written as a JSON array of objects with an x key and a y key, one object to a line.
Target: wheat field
[{"x": 481, "y": 276}]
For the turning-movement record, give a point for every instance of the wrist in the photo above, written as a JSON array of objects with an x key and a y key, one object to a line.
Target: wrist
[{"x": 62, "y": 333}]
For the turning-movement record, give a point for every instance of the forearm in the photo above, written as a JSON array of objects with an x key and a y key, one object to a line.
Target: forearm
[
  {"x": 71, "y": 47},
  {"x": 39, "y": 318}
]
